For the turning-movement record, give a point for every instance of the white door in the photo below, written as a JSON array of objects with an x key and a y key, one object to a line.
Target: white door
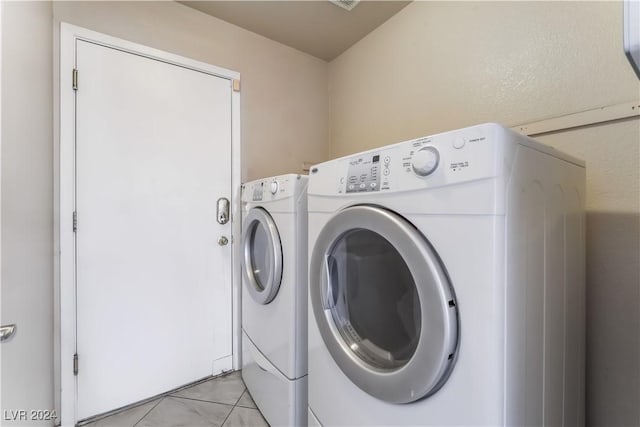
[{"x": 153, "y": 285}]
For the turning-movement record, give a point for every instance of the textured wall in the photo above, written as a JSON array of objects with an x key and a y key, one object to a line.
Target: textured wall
[
  {"x": 284, "y": 91},
  {"x": 437, "y": 66}
]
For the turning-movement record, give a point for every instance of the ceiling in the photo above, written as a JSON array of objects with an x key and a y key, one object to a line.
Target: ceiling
[{"x": 318, "y": 28}]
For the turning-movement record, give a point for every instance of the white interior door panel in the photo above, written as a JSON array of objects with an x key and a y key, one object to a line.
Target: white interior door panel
[{"x": 153, "y": 154}]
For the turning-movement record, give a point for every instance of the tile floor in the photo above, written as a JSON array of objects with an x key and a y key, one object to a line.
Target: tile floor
[{"x": 221, "y": 401}]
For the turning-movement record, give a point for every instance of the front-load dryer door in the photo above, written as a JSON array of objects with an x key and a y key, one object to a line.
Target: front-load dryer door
[
  {"x": 383, "y": 304},
  {"x": 262, "y": 256}
]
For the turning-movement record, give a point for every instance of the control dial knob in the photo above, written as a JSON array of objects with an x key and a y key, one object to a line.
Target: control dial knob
[
  {"x": 274, "y": 187},
  {"x": 425, "y": 161}
]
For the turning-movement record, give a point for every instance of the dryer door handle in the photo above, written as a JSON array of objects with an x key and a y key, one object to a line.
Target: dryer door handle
[{"x": 328, "y": 298}]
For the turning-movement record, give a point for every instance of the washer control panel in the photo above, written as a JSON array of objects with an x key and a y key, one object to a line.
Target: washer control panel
[
  {"x": 268, "y": 189},
  {"x": 431, "y": 161},
  {"x": 257, "y": 192}
]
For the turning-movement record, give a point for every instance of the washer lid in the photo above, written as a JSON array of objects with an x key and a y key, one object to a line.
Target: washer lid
[
  {"x": 383, "y": 304},
  {"x": 262, "y": 256}
]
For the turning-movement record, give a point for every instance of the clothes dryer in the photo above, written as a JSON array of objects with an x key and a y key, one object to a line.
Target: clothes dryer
[
  {"x": 447, "y": 284},
  {"x": 274, "y": 297}
]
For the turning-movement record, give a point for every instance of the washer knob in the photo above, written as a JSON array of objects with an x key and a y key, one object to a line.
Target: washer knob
[
  {"x": 425, "y": 161},
  {"x": 274, "y": 187}
]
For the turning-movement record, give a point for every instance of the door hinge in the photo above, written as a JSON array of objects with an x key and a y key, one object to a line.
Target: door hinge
[
  {"x": 75, "y": 364},
  {"x": 236, "y": 85},
  {"x": 75, "y": 221},
  {"x": 75, "y": 79}
]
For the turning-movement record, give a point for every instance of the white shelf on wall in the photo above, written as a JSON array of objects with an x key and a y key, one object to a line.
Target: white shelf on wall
[{"x": 605, "y": 114}]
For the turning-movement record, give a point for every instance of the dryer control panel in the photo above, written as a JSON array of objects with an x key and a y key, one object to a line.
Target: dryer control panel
[{"x": 431, "y": 161}]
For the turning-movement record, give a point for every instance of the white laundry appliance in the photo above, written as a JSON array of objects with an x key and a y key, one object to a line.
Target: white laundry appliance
[
  {"x": 447, "y": 284},
  {"x": 274, "y": 297}
]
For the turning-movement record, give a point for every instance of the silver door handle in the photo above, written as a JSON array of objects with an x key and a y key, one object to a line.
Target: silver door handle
[
  {"x": 6, "y": 332},
  {"x": 222, "y": 210},
  {"x": 327, "y": 286}
]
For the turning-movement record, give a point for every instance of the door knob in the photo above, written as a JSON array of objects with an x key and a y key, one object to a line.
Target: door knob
[
  {"x": 222, "y": 240},
  {"x": 6, "y": 332}
]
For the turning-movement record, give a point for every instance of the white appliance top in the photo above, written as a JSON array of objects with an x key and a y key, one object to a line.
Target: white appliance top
[{"x": 462, "y": 155}]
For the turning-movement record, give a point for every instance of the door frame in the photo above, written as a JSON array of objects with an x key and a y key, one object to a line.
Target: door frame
[{"x": 64, "y": 203}]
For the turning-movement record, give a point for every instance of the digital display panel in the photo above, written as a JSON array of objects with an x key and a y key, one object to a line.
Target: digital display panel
[{"x": 363, "y": 174}]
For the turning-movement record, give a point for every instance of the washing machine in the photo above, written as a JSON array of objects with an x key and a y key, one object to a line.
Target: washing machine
[
  {"x": 274, "y": 297},
  {"x": 447, "y": 284}
]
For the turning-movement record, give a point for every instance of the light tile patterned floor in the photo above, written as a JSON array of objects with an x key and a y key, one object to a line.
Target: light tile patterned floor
[{"x": 222, "y": 401}]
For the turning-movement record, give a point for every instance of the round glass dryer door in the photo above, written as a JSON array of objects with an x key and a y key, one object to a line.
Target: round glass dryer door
[
  {"x": 383, "y": 304},
  {"x": 262, "y": 256}
]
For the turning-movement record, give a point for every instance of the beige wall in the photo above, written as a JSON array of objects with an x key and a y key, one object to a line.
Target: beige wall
[
  {"x": 284, "y": 91},
  {"x": 437, "y": 66},
  {"x": 27, "y": 206}
]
